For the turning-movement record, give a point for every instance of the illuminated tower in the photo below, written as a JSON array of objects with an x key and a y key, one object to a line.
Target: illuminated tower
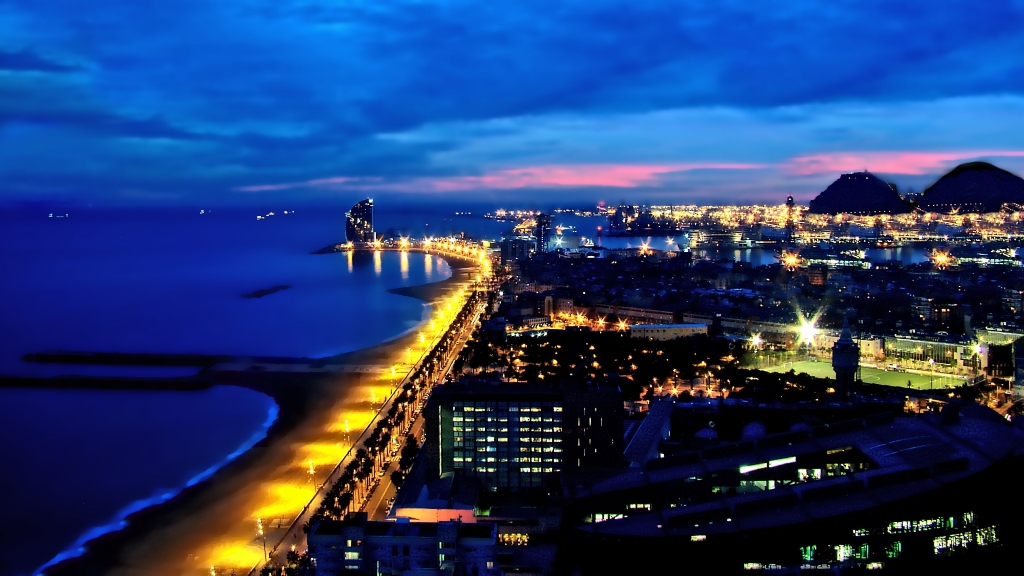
[
  {"x": 845, "y": 360},
  {"x": 790, "y": 227},
  {"x": 359, "y": 222}
]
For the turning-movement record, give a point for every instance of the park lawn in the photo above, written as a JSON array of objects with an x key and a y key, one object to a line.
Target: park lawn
[{"x": 872, "y": 375}]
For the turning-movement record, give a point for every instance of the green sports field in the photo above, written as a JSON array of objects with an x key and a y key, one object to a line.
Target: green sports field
[{"x": 823, "y": 369}]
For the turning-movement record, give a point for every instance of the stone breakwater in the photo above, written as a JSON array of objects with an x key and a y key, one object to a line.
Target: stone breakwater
[{"x": 266, "y": 291}]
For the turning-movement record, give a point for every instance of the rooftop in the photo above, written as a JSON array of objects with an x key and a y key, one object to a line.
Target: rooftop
[{"x": 906, "y": 455}]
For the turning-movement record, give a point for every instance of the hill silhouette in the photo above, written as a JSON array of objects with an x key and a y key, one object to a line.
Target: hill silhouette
[
  {"x": 973, "y": 187},
  {"x": 858, "y": 193}
]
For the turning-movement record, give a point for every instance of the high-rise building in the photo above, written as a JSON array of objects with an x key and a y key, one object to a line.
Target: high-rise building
[
  {"x": 790, "y": 226},
  {"x": 514, "y": 249},
  {"x": 845, "y": 360},
  {"x": 543, "y": 231},
  {"x": 508, "y": 437},
  {"x": 522, "y": 436},
  {"x": 359, "y": 222}
]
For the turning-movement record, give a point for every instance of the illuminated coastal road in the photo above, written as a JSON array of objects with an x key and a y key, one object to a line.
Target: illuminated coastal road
[{"x": 376, "y": 507}]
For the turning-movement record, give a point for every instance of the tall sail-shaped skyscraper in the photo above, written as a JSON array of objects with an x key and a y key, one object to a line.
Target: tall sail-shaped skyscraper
[
  {"x": 543, "y": 231},
  {"x": 359, "y": 222}
]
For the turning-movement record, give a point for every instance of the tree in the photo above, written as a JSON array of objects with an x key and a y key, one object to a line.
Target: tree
[
  {"x": 367, "y": 472},
  {"x": 409, "y": 451},
  {"x": 345, "y": 501}
]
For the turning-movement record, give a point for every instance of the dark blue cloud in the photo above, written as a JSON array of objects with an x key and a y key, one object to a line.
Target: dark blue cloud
[
  {"x": 204, "y": 97},
  {"x": 27, "y": 61}
]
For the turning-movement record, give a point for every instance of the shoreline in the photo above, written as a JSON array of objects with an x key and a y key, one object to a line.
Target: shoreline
[{"x": 302, "y": 399}]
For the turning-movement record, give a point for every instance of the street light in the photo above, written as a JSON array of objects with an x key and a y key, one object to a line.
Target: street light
[
  {"x": 312, "y": 474},
  {"x": 807, "y": 332},
  {"x": 262, "y": 534}
]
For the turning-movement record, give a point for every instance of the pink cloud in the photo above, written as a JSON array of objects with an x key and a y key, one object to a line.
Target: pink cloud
[
  {"x": 555, "y": 175},
  {"x": 886, "y": 162},
  {"x": 610, "y": 175}
]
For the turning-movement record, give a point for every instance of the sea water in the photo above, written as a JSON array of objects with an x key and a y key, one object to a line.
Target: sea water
[
  {"x": 173, "y": 282},
  {"x": 164, "y": 281}
]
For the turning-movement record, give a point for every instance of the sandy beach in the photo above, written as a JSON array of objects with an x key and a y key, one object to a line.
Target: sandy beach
[{"x": 212, "y": 525}]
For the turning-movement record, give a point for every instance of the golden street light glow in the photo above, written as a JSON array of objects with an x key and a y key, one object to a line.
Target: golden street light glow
[
  {"x": 323, "y": 454},
  {"x": 807, "y": 331},
  {"x": 234, "y": 555},
  {"x": 283, "y": 499},
  {"x": 791, "y": 260}
]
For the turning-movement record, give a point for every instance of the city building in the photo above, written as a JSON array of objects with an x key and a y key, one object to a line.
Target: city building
[
  {"x": 359, "y": 222},
  {"x": 817, "y": 274},
  {"x": 667, "y": 331},
  {"x": 634, "y": 314},
  {"x": 1013, "y": 301},
  {"x": 514, "y": 249},
  {"x": 505, "y": 437},
  {"x": 358, "y": 546},
  {"x": 947, "y": 354},
  {"x": 564, "y": 305},
  {"x": 845, "y": 361},
  {"x": 885, "y": 490},
  {"x": 543, "y": 231},
  {"x": 790, "y": 225},
  {"x": 521, "y": 436},
  {"x": 527, "y": 525}
]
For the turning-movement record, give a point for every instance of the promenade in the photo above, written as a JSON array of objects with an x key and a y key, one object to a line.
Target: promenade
[
  {"x": 327, "y": 412},
  {"x": 374, "y": 499}
]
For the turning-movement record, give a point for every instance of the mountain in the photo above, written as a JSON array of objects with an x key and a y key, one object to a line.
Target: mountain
[
  {"x": 974, "y": 187},
  {"x": 858, "y": 193}
]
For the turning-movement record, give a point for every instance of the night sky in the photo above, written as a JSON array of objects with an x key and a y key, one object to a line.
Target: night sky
[{"x": 236, "y": 102}]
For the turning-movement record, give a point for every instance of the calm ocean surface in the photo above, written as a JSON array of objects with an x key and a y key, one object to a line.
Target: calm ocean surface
[{"x": 77, "y": 461}]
